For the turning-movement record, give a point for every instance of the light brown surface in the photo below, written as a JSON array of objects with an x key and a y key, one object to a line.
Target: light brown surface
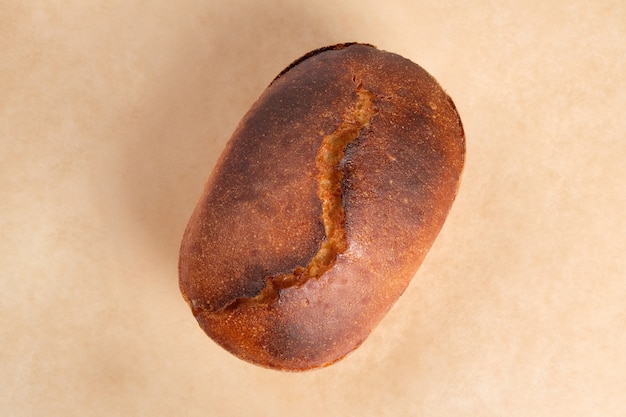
[{"x": 112, "y": 114}]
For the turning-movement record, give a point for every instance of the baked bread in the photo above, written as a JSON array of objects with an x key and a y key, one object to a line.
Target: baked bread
[{"x": 321, "y": 208}]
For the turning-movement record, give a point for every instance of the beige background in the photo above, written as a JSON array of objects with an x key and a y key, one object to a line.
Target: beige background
[{"x": 112, "y": 114}]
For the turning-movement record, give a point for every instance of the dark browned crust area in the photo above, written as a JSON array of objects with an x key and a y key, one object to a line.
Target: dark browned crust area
[
  {"x": 249, "y": 257},
  {"x": 316, "y": 52},
  {"x": 330, "y": 192}
]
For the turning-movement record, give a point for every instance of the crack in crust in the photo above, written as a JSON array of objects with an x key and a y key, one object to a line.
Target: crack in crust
[{"x": 329, "y": 191}]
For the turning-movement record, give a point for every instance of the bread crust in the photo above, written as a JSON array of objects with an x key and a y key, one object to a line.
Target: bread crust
[{"x": 260, "y": 216}]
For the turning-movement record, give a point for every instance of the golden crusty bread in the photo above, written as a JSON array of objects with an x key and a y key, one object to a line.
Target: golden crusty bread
[{"x": 321, "y": 208}]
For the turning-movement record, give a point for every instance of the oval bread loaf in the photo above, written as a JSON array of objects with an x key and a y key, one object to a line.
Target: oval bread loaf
[{"x": 321, "y": 208}]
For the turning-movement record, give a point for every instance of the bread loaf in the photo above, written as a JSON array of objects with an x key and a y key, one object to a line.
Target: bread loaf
[{"x": 322, "y": 206}]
